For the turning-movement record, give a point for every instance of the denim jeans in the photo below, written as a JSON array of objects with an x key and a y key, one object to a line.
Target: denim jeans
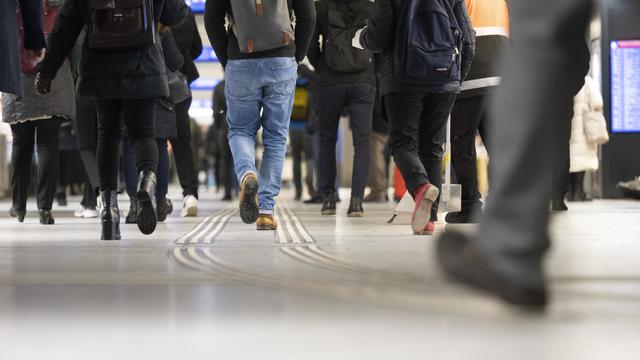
[{"x": 260, "y": 94}]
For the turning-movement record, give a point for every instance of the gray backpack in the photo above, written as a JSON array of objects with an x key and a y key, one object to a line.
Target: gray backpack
[{"x": 261, "y": 25}]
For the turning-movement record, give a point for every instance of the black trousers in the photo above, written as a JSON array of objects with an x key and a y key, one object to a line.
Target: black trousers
[
  {"x": 560, "y": 176},
  {"x": 182, "y": 151},
  {"x": 301, "y": 146},
  {"x": 469, "y": 117},
  {"x": 358, "y": 100},
  {"x": 44, "y": 135},
  {"x": 87, "y": 133},
  {"x": 418, "y": 132},
  {"x": 139, "y": 117}
]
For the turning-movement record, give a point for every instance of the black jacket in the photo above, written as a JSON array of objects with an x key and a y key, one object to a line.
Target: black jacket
[
  {"x": 327, "y": 75},
  {"x": 10, "y": 74},
  {"x": 379, "y": 36},
  {"x": 111, "y": 74},
  {"x": 165, "y": 109},
  {"x": 225, "y": 42},
  {"x": 190, "y": 45},
  {"x": 219, "y": 107}
]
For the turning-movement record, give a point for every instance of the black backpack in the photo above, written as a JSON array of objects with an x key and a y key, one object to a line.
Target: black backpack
[
  {"x": 428, "y": 43},
  {"x": 343, "y": 21},
  {"x": 121, "y": 24}
]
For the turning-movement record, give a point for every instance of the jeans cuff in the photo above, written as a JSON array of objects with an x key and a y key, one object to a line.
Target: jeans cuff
[
  {"x": 245, "y": 174},
  {"x": 267, "y": 211}
]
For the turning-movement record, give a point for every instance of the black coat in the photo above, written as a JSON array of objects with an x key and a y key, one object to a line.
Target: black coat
[
  {"x": 165, "y": 109},
  {"x": 379, "y": 37},
  {"x": 190, "y": 44},
  {"x": 111, "y": 74},
  {"x": 10, "y": 75}
]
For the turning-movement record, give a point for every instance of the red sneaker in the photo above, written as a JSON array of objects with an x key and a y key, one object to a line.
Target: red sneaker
[
  {"x": 424, "y": 197},
  {"x": 428, "y": 230}
]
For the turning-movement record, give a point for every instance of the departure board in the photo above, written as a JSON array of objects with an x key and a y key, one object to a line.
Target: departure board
[{"x": 625, "y": 86}]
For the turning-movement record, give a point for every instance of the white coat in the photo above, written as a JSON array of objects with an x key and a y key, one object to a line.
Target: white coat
[{"x": 588, "y": 108}]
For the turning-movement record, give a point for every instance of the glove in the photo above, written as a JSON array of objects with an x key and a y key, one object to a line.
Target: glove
[
  {"x": 43, "y": 84},
  {"x": 355, "y": 42}
]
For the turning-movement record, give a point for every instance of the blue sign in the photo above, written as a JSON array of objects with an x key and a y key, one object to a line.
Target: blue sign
[
  {"x": 205, "y": 83},
  {"x": 197, "y": 6},
  {"x": 208, "y": 55},
  {"x": 625, "y": 86}
]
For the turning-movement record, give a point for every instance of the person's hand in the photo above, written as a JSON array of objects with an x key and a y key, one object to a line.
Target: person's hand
[
  {"x": 42, "y": 84},
  {"x": 355, "y": 42},
  {"x": 34, "y": 56}
]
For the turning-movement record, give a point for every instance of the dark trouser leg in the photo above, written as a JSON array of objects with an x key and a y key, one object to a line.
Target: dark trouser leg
[
  {"x": 433, "y": 133},
  {"x": 562, "y": 162},
  {"x": 465, "y": 121},
  {"x": 163, "y": 170},
  {"x": 226, "y": 163},
  {"x": 360, "y": 106},
  {"x": 529, "y": 110},
  {"x": 378, "y": 181},
  {"x": 87, "y": 133},
  {"x": 129, "y": 168},
  {"x": 140, "y": 118},
  {"x": 48, "y": 156},
  {"x": 89, "y": 197},
  {"x": 183, "y": 152},
  {"x": 297, "y": 139},
  {"x": 332, "y": 102},
  {"x": 109, "y": 138},
  {"x": 309, "y": 157},
  {"x": 21, "y": 158}
]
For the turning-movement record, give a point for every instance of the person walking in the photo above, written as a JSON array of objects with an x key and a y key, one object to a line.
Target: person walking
[
  {"x": 260, "y": 54},
  {"x": 126, "y": 75},
  {"x": 32, "y": 39},
  {"x": 188, "y": 40},
  {"x": 346, "y": 81},
  {"x": 36, "y": 120},
  {"x": 505, "y": 256},
  {"x": 470, "y": 115},
  {"x": 419, "y": 88}
]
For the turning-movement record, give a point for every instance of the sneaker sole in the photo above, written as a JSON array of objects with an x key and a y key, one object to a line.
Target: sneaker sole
[
  {"x": 328, "y": 212},
  {"x": 356, "y": 215},
  {"x": 147, "y": 219},
  {"x": 422, "y": 214},
  {"x": 249, "y": 204},
  {"x": 190, "y": 212},
  {"x": 266, "y": 228}
]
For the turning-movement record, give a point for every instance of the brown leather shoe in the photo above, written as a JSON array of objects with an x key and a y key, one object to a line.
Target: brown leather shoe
[{"x": 266, "y": 222}]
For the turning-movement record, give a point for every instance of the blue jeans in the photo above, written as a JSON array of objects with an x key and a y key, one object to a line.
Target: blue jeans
[{"x": 260, "y": 94}]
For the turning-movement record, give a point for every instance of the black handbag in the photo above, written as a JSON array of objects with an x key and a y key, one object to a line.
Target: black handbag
[{"x": 178, "y": 86}]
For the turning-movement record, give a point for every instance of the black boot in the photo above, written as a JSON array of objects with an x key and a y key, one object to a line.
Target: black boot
[
  {"x": 132, "y": 215},
  {"x": 329, "y": 205},
  {"x": 355, "y": 208},
  {"x": 558, "y": 205},
  {"x": 147, "y": 219},
  {"x": 110, "y": 216},
  {"x": 164, "y": 208},
  {"x": 46, "y": 217}
]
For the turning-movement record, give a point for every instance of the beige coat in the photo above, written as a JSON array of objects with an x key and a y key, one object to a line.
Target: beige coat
[{"x": 584, "y": 153}]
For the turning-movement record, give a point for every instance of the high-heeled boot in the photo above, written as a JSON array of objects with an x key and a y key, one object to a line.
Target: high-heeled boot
[
  {"x": 46, "y": 217},
  {"x": 147, "y": 218},
  {"x": 110, "y": 215}
]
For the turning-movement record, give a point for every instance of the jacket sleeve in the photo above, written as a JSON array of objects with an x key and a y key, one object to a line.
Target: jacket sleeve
[
  {"x": 315, "y": 52},
  {"x": 172, "y": 56},
  {"x": 33, "y": 24},
  {"x": 196, "y": 43},
  {"x": 214, "y": 22},
  {"x": 380, "y": 30},
  {"x": 173, "y": 12},
  {"x": 305, "y": 12},
  {"x": 468, "y": 37},
  {"x": 62, "y": 38}
]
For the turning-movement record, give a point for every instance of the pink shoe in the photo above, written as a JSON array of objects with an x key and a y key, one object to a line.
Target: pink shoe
[
  {"x": 424, "y": 197},
  {"x": 428, "y": 230}
]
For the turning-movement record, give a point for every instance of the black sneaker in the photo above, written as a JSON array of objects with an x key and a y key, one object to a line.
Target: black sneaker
[
  {"x": 466, "y": 264},
  {"x": 249, "y": 199},
  {"x": 463, "y": 217},
  {"x": 164, "y": 207},
  {"x": 355, "y": 208},
  {"x": 329, "y": 205},
  {"x": 558, "y": 205}
]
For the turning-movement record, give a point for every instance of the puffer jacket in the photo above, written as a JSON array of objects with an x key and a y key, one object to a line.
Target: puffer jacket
[
  {"x": 584, "y": 154},
  {"x": 111, "y": 74},
  {"x": 165, "y": 109},
  {"x": 59, "y": 102}
]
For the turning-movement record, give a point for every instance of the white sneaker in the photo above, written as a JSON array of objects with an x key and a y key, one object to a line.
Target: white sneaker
[
  {"x": 100, "y": 205},
  {"x": 90, "y": 213},
  {"x": 79, "y": 213},
  {"x": 189, "y": 206}
]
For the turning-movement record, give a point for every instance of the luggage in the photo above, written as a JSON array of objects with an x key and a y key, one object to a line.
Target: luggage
[
  {"x": 428, "y": 43},
  {"x": 121, "y": 24},
  {"x": 344, "y": 20},
  {"x": 51, "y": 9},
  {"x": 261, "y": 25}
]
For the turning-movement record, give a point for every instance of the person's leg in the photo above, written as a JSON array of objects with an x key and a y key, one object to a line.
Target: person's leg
[
  {"x": 466, "y": 116},
  {"x": 296, "y": 137},
  {"x": 182, "y": 151},
  {"x": 226, "y": 164},
  {"x": 309, "y": 157},
  {"x": 560, "y": 170},
  {"x": 433, "y": 133},
  {"x": 506, "y": 255},
  {"x": 21, "y": 158},
  {"x": 332, "y": 100},
  {"x": 86, "y": 123},
  {"x": 279, "y": 76},
  {"x": 360, "y": 107},
  {"x": 129, "y": 168},
  {"x": 47, "y": 144},
  {"x": 378, "y": 182},
  {"x": 109, "y": 138},
  {"x": 163, "y": 169}
]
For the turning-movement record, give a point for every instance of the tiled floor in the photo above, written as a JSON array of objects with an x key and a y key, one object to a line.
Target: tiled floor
[{"x": 319, "y": 288}]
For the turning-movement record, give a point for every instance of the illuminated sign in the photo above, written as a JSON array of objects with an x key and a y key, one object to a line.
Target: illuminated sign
[
  {"x": 197, "y": 6},
  {"x": 208, "y": 55},
  {"x": 625, "y": 86},
  {"x": 205, "y": 83}
]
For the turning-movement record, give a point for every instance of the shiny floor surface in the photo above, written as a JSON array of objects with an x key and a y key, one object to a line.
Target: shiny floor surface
[{"x": 318, "y": 288}]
